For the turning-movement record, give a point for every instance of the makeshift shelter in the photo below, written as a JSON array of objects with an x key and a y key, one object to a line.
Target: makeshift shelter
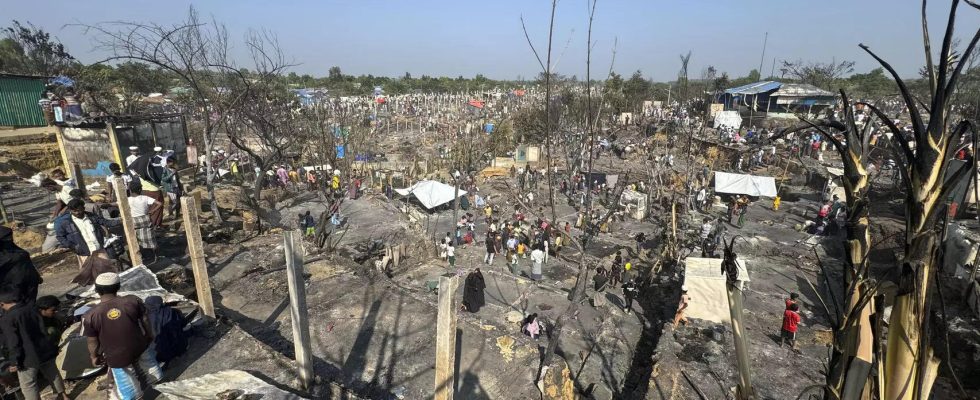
[
  {"x": 771, "y": 96},
  {"x": 749, "y": 185},
  {"x": 729, "y": 119},
  {"x": 636, "y": 204},
  {"x": 431, "y": 193},
  {"x": 706, "y": 288}
]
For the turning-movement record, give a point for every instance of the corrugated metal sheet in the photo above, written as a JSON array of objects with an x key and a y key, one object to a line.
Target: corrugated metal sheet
[
  {"x": 755, "y": 88},
  {"x": 18, "y": 101}
]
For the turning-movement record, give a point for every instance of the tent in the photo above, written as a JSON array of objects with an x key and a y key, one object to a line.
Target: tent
[
  {"x": 707, "y": 288},
  {"x": 431, "y": 193},
  {"x": 745, "y": 184},
  {"x": 730, "y": 119}
]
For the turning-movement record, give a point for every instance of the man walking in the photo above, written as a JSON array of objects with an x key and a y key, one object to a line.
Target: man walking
[
  {"x": 629, "y": 294},
  {"x": 28, "y": 346},
  {"x": 706, "y": 229},
  {"x": 119, "y": 335},
  {"x": 491, "y": 249}
]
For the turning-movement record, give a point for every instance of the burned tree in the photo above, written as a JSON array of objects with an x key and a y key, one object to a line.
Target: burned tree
[
  {"x": 195, "y": 51},
  {"x": 265, "y": 124},
  {"x": 853, "y": 351},
  {"x": 910, "y": 365}
]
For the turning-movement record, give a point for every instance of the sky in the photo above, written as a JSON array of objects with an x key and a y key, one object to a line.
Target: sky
[{"x": 459, "y": 37}]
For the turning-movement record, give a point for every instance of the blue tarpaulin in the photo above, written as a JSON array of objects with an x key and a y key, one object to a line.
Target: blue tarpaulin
[{"x": 755, "y": 88}]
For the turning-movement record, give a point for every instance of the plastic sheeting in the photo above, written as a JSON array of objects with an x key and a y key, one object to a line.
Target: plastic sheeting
[
  {"x": 750, "y": 185},
  {"x": 208, "y": 387},
  {"x": 431, "y": 193},
  {"x": 730, "y": 119},
  {"x": 140, "y": 282}
]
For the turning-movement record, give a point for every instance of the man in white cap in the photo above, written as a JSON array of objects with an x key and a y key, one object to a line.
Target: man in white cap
[
  {"x": 119, "y": 336},
  {"x": 134, "y": 153}
]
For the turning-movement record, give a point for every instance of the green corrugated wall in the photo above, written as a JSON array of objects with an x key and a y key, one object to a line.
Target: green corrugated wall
[{"x": 18, "y": 101}]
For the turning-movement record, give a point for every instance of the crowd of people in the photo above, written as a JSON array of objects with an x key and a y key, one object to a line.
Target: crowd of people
[{"x": 128, "y": 336}]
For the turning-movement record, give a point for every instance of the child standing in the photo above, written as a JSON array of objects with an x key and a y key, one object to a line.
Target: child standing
[{"x": 791, "y": 320}]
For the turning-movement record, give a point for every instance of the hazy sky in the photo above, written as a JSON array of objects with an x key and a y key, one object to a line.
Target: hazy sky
[{"x": 457, "y": 37}]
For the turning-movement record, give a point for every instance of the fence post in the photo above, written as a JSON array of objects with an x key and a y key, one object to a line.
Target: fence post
[
  {"x": 132, "y": 242},
  {"x": 446, "y": 338},
  {"x": 76, "y": 174},
  {"x": 298, "y": 311},
  {"x": 195, "y": 249}
]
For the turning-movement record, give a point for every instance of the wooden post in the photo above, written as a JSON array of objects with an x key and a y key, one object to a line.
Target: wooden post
[
  {"x": 744, "y": 388},
  {"x": 114, "y": 144},
  {"x": 292, "y": 244},
  {"x": 446, "y": 338},
  {"x": 76, "y": 174},
  {"x": 673, "y": 219},
  {"x": 195, "y": 249},
  {"x": 59, "y": 136},
  {"x": 3, "y": 210},
  {"x": 132, "y": 243}
]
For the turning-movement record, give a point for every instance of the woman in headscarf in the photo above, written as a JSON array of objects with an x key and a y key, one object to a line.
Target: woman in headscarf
[
  {"x": 168, "y": 329},
  {"x": 473, "y": 297}
]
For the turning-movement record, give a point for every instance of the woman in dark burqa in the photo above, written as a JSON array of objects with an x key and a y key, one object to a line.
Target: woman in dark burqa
[
  {"x": 473, "y": 297},
  {"x": 168, "y": 329}
]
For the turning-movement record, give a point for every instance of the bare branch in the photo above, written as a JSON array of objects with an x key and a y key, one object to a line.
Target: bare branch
[{"x": 534, "y": 50}]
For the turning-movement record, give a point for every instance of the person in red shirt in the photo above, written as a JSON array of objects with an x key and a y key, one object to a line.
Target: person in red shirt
[
  {"x": 791, "y": 320},
  {"x": 793, "y": 298}
]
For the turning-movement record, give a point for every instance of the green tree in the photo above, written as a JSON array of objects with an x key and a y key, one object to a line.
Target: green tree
[
  {"x": 613, "y": 92},
  {"x": 335, "y": 74},
  {"x": 30, "y": 50},
  {"x": 873, "y": 84},
  {"x": 722, "y": 82},
  {"x": 635, "y": 90}
]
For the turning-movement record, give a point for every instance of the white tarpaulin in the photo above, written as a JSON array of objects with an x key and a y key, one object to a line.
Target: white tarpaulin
[
  {"x": 431, "y": 193},
  {"x": 730, "y": 119},
  {"x": 706, "y": 288},
  {"x": 208, "y": 387},
  {"x": 745, "y": 184}
]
